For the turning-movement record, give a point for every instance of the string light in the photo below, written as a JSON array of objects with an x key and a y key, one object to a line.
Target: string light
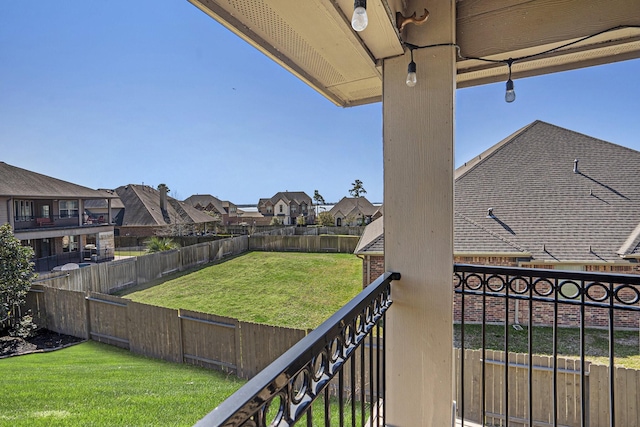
[
  {"x": 412, "y": 78},
  {"x": 510, "y": 94},
  {"x": 359, "y": 20}
]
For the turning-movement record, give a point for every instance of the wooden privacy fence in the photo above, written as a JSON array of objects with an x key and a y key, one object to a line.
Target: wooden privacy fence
[
  {"x": 111, "y": 276},
  {"x": 180, "y": 336},
  {"x": 340, "y": 244},
  {"x": 627, "y": 391}
]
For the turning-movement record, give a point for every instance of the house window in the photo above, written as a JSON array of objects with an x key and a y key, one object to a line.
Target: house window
[
  {"x": 70, "y": 244},
  {"x": 281, "y": 209},
  {"x": 269, "y": 209},
  {"x": 293, "y": 208},
  {"x": 68, "y": 208},
  {"x": 23, "y": 210}
]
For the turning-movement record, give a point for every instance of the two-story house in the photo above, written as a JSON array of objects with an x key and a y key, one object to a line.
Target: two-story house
[
  {"x": 288, "y": 206},
  {"x": 354, "y": 211},
  {"x": 48, "y": 214}
]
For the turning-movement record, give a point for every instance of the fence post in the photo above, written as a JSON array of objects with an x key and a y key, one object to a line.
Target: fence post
[
  {"x": 180, "y": 338},
  {"x": 88, "y": 303}
]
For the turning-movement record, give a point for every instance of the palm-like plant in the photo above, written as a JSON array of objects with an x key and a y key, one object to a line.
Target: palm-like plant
[{"x": 159, "y": 244}]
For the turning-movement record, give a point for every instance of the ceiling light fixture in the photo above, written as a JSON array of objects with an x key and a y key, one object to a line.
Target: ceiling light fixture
[{"x": 359, "y": 20}]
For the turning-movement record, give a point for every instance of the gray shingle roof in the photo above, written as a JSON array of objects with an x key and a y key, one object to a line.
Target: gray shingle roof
[
  {"x": 142, "y": 208},
  {"x": 540, "y": 206},
  {"x": 18, "y": 182}
]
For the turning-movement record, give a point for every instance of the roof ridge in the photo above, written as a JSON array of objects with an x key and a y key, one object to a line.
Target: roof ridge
[
  {"x": 489, "y": 152},
  {"x": 497, "y": 236}
]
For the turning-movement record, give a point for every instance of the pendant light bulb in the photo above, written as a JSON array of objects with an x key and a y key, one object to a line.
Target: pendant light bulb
[
  {"x": 510, "y": 94},
  {"x": 359, "y": 20},
  {"x": 412, "y": 78}
]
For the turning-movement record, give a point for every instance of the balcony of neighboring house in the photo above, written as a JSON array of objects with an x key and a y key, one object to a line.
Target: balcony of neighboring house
[
  {"x": 545, "y": 370},
  {"x": 51, "y": 214}
]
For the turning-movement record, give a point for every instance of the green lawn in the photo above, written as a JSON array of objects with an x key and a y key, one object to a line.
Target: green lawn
[
  {"x": 596, "y": 342},
  {"x": 93, "y": 384},
  {"x": 297, "y": 290}
]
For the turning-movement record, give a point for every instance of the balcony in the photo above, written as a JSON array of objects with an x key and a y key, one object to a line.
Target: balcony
[
  {"x": 56, "y": 221},
  {"x": 336, "y": 375}
]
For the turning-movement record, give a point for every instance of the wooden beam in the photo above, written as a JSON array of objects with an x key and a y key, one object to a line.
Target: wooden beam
[{"x": 498, "y": 27}]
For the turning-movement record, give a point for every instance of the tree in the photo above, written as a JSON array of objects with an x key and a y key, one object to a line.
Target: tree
[
  {"x": 357, "y": 188},
  {"x": 325, "y": 219},
  {"x": 275, "y": 221},
  {"x": 160, "y": 244},
  {"x": 16, "y": 274},
  {"x": 317, "y": 197}
]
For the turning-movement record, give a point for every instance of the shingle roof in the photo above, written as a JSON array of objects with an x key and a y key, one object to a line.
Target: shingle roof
[
  {"x": 18, "y": 182},
  {"x": 291, "y": 196},
  {"x": 372, "y": 240},
  {"x": 205, "y": 200},
  {"x": 142, "y": 208},
  {"x": 541, "y": 207},
  {"x": 352, "y": 206}
]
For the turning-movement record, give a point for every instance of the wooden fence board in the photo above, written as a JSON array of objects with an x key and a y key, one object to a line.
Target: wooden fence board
[
  {"x": 35, "y": 305},
  {"x": 121, "y": 274},
  {"x": 108, "y": 319},
  {"x": 209, "y": 340},
  {"x": 154, "y": 331},
  {"x": 262, "y": 344},
  {"x": 66, "y": 312}
]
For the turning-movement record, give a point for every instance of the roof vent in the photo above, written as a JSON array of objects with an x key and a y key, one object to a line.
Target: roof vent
[
  {"x": 575, "y": 166},
  {"x": 490, "y": 213}
]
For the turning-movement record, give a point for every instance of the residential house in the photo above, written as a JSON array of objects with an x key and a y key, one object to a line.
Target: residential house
[
  {"x": 544, "y": 197},
  {"x": 354, "y": 211},
  {"x": 48, "y": 214},
  {"x": 288, "y": 206},
  {"x": 148, "y": 212},
  {"x": 213, "y": 206},
  {"x": 97, "y": 210},
  {"x": 464, "y": 43}
]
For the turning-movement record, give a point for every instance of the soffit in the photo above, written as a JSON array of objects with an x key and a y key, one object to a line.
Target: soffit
[{"x": 313, "y": 39}]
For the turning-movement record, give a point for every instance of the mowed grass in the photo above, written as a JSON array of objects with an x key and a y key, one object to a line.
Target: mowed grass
[
  {"x": 296, "y": 290},
  {"x": 93, "y": 384},
  {"x": 626, "y": 343}
]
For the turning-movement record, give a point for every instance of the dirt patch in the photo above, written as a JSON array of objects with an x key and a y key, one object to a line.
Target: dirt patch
[{"x": 44, "y": 340}]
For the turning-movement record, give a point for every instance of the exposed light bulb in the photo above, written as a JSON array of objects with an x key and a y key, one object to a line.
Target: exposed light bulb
[
  {"x": 510, "y": 94},
  {"x": 412, "y": 78},
  {"x": 359, "y": 20}
]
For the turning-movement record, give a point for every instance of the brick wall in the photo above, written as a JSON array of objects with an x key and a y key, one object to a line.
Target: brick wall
[{"x": 543, "y": 313}]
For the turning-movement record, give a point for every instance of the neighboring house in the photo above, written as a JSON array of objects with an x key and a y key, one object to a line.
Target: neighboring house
[
  {"x": 98, "y": 209},
  {"x": 209, "y": 204},
  {"x": 148, "y": 212},
  {"x": 48, "y": 214},
  {"x": 353, "y": 211},
  {"x": 547, "y": 197},
  {"x": 287, "y": 206}
]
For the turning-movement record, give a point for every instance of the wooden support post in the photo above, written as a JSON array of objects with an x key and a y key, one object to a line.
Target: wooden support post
[{"x": 418, "y": 224}]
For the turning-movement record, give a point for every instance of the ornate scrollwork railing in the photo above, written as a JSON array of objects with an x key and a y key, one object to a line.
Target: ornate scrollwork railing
[{"x": 284, "y": 392}]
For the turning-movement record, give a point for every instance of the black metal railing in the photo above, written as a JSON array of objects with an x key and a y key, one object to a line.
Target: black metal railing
[
  {"x": 335, "y": 366},
  {"x": 523, "y": 301}
]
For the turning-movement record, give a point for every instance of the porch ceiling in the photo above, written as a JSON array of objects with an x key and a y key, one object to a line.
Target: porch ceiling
[{"x": 313, "y": 39}]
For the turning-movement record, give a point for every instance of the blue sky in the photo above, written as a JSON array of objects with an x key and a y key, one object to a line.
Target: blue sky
[{"x": 105, "y": 94}]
